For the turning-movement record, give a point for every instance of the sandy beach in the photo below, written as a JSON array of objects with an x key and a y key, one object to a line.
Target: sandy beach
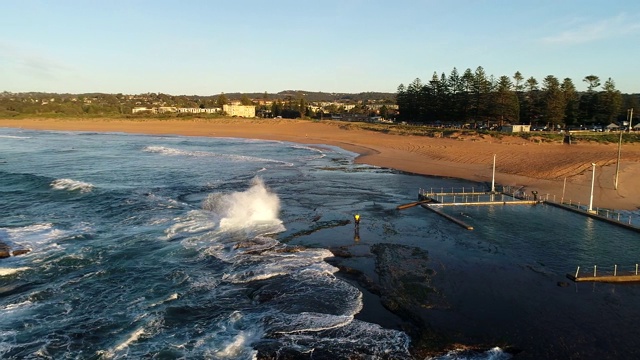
[{"x": 529, "y": 164}]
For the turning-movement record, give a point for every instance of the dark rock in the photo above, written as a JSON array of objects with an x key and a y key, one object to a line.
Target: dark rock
[
  {"x": 362, "y": 279},
  {"x": 342, "y": 252},
  {"x": 4, "y": 250},
  {"x": 20, "y": 252}
]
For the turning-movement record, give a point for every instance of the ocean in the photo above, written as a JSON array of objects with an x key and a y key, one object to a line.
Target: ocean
[{"x": 170, "y": 247}]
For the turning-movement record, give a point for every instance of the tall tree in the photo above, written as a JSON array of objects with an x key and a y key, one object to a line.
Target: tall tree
[
  {"x": 415, "y": 92},
  {"x": 481, "y": 89},
  {"x": 435, "y": 98},
  {"x": 444, "y": 93},
  {"x": 466, "y": 99},
  {"x": 531, "y": 103},
  {"x": 571, "y": 101},
  {"x": 588, "y": 105},
  {"x": 592, "y": 82},
  {"x": 506, "y": 103},
  {"x": 244, "y": 100},
  {"x": 610, "y": 100},
  {"x": 456, "y": 91},
  {"x": 222, "y": 100},
  {"x": 518, "y": 81},
  {"x": 553, "y": 101}
]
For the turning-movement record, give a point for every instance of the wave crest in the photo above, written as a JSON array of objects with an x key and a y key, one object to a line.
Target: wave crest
[
  {"x": 239, "y": 209},
  {"x": 163, "y": 150},
  {"x": 71, "y": 185}
]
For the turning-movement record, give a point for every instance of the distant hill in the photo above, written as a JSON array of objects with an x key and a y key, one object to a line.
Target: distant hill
[
  {"x": 311, "y": 96},
  {"x": 14, "y": 104}
]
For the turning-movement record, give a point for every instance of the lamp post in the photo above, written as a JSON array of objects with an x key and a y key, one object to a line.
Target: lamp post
[
  {"x": 593, "y": 179},
  {"x": 615, "y": 182},
  {"x": 493, "y": 178}
]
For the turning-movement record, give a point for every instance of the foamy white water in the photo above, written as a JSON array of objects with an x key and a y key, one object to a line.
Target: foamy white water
[
  {"x": 231, "y": 157},
  {"x": 71, "y": 185},
  {"x": 11, "y": 271}
]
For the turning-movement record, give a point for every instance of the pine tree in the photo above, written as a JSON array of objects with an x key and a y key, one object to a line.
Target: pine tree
[
  {"x": 610, "y": 101},
  {"x": 553, "y": 101},
  {"x": 571, "y": 101}
]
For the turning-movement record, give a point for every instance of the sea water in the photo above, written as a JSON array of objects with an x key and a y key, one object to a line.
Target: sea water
[{"x": 190, "y": 247}]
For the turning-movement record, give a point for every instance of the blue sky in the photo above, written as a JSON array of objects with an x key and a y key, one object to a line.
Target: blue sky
[{"x": 208, "y": 47}]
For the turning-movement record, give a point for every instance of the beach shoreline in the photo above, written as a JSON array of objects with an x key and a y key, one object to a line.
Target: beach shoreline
[{"x": 530, "y": 165}]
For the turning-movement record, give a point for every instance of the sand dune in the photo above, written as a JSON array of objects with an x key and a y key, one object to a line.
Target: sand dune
[{"x": 530, "y": 164}]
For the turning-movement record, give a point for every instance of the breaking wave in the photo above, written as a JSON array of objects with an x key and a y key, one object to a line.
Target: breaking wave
[
  {"x": 495, "y": 353},
  {"x": 14, "y": 137},
  {"x": 71, "y": 185},
  {"x": 238, "y": 158}
]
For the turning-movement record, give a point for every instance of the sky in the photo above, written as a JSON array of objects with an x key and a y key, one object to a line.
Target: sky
[{"x": 207, "y": 47}]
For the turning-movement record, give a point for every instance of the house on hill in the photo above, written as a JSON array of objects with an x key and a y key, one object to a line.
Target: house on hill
[{"x": 240, "y": 110}]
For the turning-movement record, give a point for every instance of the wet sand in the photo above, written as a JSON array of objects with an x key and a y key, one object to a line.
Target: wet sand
[{"x": 530, "y": 164}]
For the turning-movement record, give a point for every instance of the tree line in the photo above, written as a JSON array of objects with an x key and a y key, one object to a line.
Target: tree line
[
  {"x": 475, "y": 97},
  {"x": 294, "y": 105}
]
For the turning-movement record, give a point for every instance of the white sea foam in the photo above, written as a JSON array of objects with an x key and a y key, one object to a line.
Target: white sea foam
[
  {"x": 231, "y": 157},
  {"x": 10, "y": 271},
  {"x": 247, "y": 268},
  {"x": 492, "y": 354},
  {"x": 340, "y": 341},
  {"x": 171, "y": 297},
  {"x": 38, "y": 238},
  {"x": 14, "y": 137},
  {"x": 235, "y": 338},
  {"x": 195, "y": 221},
  {"x": 132, "y": 337},
  {"x": 31, "y": 236},
  {"x": 243, "y": 208},
  {"x": 319, "y": 154},
  {"x": 238, "y": 347},
  {"x": 71, "y": 185},
  {"x": 17, "y": 306},
  {"x": 311, "y": 322}
]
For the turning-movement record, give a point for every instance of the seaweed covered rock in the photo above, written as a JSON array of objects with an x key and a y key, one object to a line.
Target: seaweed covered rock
[
  {"x": 405, "y": 277},
  {"x": 5, "y": 251}
]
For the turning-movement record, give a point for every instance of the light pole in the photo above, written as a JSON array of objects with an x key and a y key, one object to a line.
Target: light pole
[
  {"x": 630, "y": 112},
  {"x": 593, "y": 179},
  {"x": 493, "y": 178},
  {"x": 615, "y": 182}
]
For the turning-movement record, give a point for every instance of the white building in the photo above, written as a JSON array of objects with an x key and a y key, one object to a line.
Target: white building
[
  {"x": 516, "y": 128},
  {"x": 240, "y": 110},
  {"x": 199, "y": 110}
]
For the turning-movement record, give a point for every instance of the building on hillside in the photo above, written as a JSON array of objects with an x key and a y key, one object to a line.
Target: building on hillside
[
  {"x": 173, "y": 109},
  {"x": 166, "y": 109},
  {"x": 240, "y": 110},
  {"x": 516, "y": 128},
  {"x": 141, "y": 109},
  {"x": 264, "y": 102},
  {"x": 377, "y": 107},
  {"x": 199, "y": 110}
]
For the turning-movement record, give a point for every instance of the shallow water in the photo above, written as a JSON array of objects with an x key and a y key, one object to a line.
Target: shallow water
[{"x": 179, "y": 247}]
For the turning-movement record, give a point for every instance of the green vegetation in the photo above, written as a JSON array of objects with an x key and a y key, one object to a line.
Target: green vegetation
[
  {"x": 472, "y": 134},
  {"x": 477, "y": 99},
  {"x": 291, "y": 104}
]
